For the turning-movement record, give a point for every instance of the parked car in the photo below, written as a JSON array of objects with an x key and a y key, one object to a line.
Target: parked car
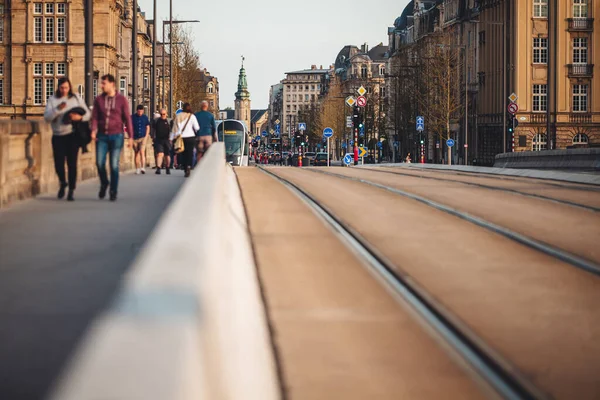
[
  {"x": 320, "y": 160},
  {"x": 311, "y": 155}
]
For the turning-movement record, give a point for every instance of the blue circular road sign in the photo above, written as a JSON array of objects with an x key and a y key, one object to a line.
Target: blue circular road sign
[
  {"x": 179, "y": 111},
  {"x": 264, "y": 133},
  {"x": 379, "y": 144},
  {"x": 450, "y": 142},
  {"x": 328, "y": 132},
  {"x": 348, "y": 159}
]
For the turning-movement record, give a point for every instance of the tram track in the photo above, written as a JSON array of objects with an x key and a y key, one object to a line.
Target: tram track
[
  {"x": 553, "y": 251},
  {"x": 498, "y": 372},
  {"x": 490, "y": 187},
  {"x": 586, "y": 187}
]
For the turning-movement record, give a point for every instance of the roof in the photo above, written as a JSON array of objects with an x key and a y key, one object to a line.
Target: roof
[
  {"x": 309, "y": 71},
  {"x": 379, "y": 52},
  {"x": 255, "y": 115},
  {"x": 400, "y": 22},
  {"x": 230, "y": 113}
]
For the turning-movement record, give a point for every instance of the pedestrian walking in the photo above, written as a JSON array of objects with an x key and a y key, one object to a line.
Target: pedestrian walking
[
  {"x": 141, "y": 131},
  {"x": 65, "y": 144},
  {"x": 207, "y": 134},
  {"x": 109, "y": 116},
  {"x": 186, "y": 126},
  {"x": 408, "y": 159},
  {"x": 162, "y": 144}
]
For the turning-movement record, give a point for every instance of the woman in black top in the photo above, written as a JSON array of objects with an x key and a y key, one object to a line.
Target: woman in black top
[{"x": 162, "y": 144}]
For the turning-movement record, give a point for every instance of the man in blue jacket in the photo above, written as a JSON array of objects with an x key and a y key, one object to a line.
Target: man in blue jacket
[
  {"x": 208, "y": 130},
  {"x": 141, "y": 131}
]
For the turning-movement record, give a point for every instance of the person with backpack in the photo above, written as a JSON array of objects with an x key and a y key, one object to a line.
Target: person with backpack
[
  {"x": 185, "y": 127},
  {"x": 65, "y": 143}
]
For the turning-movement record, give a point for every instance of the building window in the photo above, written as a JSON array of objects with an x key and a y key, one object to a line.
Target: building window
[
  {"x": 306, "y": 87},
  {"x": 540, "y": 8},
  {"x": 580, "y": 99},
  {"x": 49, "y": 30},
  {"x": 211, "y": 88},
  {"x": 61, "y": 8},
  {"x": 312, "y": 87},
  {"x": 540, "y": 50},
  {"x": 1, "y": 23},
  {"x": 37, "y": 8},
  {"x": 540, "y": 100},
  {"x": 1, "y": 69},
  {"x": 289, "y": 97},
  {"x": 294, "y": 97},
  {"x": 37, "y": 29},
  {"x": 49, "y": 68},
  {"x": 61, "y": 30},
  {"x": 123, "y": 86},
  {"x": 145, "y": 83},
  {"x": 382, "y": 68},
  {"x": 382, "y": 91},
  {"x": 363, "y": 71},
  {"x": 49, "y": 8},
  {"x": 580, "y": 53},
  {"x": 580, "y": 139},
  {"x": 49, "y": 88},
  {"x": 539, "y": 142},
  {"x": 580, "y": 8},
  {"x": 61, "y": 69},
  {"x": 312, "y": 97},
  {"x": 37, "y": 69},
  {"x": 37, "y": 91}
]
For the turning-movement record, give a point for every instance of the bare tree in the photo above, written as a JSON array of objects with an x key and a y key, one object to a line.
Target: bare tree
[{"x": 186, "y": 74}]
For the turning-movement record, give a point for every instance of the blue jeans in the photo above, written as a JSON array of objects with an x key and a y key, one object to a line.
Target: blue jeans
[{"x": 111, "y": 145}]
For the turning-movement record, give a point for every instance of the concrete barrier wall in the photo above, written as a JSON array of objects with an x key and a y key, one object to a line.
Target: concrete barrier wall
[
  {"x": 189, "y": 321},
  {"x": 569, "y": 159},
  {"x": 27, "y": 166}
]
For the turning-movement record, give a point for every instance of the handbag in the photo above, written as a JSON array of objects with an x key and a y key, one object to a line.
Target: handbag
[{"x": 178, "y": 145}]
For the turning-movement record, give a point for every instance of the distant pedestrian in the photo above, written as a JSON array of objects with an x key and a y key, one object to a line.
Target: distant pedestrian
[
  {"x": 207, "y": 134},
  {"x": 408, "y": 159},
  {"x": 65, "y": 144},
  {"x": 186, "y": 126},
  {"x": 162, "y": 144},
  {"x": 141, "y": 131},
  {"x": 109, "y": 116}
]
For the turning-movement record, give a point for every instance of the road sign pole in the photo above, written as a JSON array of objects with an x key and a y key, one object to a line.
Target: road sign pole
[{"x": 328, "y": 152}]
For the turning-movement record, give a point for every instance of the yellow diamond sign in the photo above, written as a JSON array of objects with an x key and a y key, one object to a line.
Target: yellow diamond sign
[
  {"x": 350, "y": 101},
  {"x": 361, "y": 90},
  {"x": 277, "y": 122},
  {"x": 513, "y": 97}
]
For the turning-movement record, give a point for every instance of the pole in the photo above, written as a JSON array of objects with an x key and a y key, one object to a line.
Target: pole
[
  {"x": 504, "y": 96},
  {"x": 89, "y": 52},
  {"x": 466, "y": 145},
  {"x": 163, "y": 76},
  {"x": 328, "y": 152},
  {"x": 134, "y": 58},
  {"x": 449, "y": 151},
  {"x": 170, "y": 57},
  {"x": 153, "y": 69}
]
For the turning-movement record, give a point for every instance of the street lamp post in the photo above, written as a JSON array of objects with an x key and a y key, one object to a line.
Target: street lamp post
[
  {"x": 89, "y": 52},
  {"x": 134, "y": 58},
  {"x": 153, "y": 67},
  {"x": 170, "y": 22}
]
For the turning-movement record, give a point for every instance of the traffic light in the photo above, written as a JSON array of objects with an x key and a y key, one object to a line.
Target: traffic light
[
  {"x": 422, "y": 141},
  {"x": 356, "y": 116}
]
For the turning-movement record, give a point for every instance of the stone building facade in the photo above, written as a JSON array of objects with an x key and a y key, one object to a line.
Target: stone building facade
[
  {"x": 300, "y": 89},
  {"x": 41, "y": 41},
  {"x": 209, "y": 87},
  {"x": 556, "y": 109}
]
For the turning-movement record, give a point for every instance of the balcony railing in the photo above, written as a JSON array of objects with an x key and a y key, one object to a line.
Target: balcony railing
[
  {"x": 581, "y": 24},
  {"x": 580, "y": 118},
  {"x": 580, "y": 70}
]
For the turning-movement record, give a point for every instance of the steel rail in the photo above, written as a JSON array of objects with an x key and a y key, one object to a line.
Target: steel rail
[{"x": 542, "y": 247}]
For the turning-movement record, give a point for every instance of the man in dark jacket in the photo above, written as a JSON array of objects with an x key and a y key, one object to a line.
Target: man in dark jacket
[{"x": 162, "y": 144}]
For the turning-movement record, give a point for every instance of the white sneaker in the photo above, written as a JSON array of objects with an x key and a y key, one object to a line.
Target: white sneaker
[
  {"x": 143, "y": 171},
  {"x": 137, "y": 171}
]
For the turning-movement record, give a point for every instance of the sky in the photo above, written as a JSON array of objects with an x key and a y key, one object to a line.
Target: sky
[{"x": 276, "y": 36}]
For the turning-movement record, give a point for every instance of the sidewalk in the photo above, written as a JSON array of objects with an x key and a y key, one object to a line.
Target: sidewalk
[{"x": 60, "y": 264}]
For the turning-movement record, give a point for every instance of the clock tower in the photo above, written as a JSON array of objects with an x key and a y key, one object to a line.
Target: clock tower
[{"x": 242, "y": 99}]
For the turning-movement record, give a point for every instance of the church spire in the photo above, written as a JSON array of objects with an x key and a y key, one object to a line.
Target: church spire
[{"x": 242, "y": 92}]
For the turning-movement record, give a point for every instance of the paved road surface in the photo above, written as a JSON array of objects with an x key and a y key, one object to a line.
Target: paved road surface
[{"x": 60, "y": 264}]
